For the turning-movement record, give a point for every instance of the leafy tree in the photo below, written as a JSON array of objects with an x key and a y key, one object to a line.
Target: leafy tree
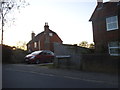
[
  {"x": 21, "y": 45},
  {"x": 84, "y": 44},
  {"x": 91, "y": 45},
  {"x": 7, "y": 6},
  {"x": 87, "y": 45}
]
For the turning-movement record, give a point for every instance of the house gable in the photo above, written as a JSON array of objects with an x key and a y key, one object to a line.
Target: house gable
[
  {"x": 44, "y": 40},
  {"x": 103, "y": 19},
  {"x": 106, "y": 9}
]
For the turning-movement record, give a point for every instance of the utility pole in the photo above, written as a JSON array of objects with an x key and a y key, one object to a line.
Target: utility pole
[
  {"x": 2, "y": 20},
  {"x": 2, "y": 17},
  {"x": 5, "y": 7}
]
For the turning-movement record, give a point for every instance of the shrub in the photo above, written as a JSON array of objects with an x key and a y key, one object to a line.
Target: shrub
[
  {"x": 18, "y": 56},
  {"x": 6, "y": 54},
  {"x": 12, "y": 56}
]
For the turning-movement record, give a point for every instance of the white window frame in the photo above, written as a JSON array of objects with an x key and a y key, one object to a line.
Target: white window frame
[
  {"x": 109, "y": 22},
  {"x": 51, "y": 34},
  {"x": 114, "y": 47},
  {"x": 35, "y": 44}
]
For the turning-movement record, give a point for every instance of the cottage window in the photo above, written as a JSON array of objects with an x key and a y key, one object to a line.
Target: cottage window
[
  {"x": 114, "y": 48},
  {"x": 51, "y": 34},
  {"x": 35, "y": 44},
  {"x": 112, "y": 23}
]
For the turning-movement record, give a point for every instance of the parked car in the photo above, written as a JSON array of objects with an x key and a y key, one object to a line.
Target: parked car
[{"x": 39, "y": 57}]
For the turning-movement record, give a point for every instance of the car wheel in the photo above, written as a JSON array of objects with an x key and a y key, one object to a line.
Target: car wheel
[{"x": 37, "y": 61}]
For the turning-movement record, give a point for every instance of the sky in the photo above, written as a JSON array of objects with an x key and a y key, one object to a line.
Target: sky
[{"x": 68, "y": 18}]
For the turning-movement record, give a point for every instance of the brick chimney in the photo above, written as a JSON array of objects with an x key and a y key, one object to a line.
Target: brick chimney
[
  {"x": 47, "y": 38},
  {"x": 32, "y": 35},
  {"x": 46, "y": 27}
]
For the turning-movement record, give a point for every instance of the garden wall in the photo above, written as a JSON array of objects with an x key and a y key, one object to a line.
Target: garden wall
[
  {"x": 84, "y": 59},
  {"x": 100, "y": 63}
]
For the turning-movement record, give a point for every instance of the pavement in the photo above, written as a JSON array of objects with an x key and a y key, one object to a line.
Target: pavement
[{"x": 69, "y": 73}]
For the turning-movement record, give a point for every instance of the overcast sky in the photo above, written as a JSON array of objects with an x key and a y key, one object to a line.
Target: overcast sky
[{"x": 68, "y": 18}]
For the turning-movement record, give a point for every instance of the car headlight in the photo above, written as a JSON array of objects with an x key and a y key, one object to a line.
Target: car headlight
[{"x": 32, "y": 57}]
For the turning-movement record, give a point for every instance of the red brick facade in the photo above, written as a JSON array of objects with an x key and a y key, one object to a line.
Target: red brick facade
[
  {"x": 44, "y": 40},
  {"x": 101, "y": 35}
]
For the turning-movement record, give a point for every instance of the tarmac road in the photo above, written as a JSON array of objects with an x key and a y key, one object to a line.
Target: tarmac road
[{"x": 34, "y": 76}]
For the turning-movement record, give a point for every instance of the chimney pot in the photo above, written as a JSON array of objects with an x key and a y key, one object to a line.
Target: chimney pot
[
  {"x": 46, "y": 23},
  {"x": 46, "y": 27},
  {"x": 99, "y": 2}
]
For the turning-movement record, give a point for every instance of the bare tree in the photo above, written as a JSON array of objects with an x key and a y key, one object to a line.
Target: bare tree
[
  {"x": 6, "y": 6},
  {"x": 21, "y": 45}
]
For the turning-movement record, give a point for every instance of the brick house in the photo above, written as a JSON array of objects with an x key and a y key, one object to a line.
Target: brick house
[
  {"x": 44, "y": 40},
  {"x": 106, "y": 27}
]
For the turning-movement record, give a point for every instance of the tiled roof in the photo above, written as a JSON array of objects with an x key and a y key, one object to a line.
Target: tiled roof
[{"x": 99, "y": 10}]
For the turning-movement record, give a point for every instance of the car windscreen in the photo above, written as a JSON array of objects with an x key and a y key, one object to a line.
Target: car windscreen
[
  {"x": 36, "y": 52},
  {"x": 48, "y": 52}
]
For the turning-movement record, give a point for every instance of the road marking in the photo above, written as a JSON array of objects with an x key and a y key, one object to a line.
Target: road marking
[
  {"x": 88, "y": 80},
  {"x": 31, "y": 64},
  {"x": 27, "y": 65}
]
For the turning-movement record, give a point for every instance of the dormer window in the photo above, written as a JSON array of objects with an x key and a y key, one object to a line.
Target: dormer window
[{"x": 112, "y": 23}]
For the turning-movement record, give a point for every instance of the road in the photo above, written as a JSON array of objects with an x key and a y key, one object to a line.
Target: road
[{"x": 32, "y": 76}]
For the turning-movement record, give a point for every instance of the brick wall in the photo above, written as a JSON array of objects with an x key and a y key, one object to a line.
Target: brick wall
[
  {"x": 100, "y": 34},
  {"x": 74, "y": 51},
  {"x": 100, "y": 63},
  {"x": 40, "y": 39},
  {"x": 84, "y": 59}
]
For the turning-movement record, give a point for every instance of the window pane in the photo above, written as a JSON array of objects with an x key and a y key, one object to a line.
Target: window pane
[
  {"x": 114, "y": 48},
  {"x": 113, "y": 44},
  {"x": 109, "y": 26},
  {"x": 114, "y": 19},
  {"x": 114, "y": 51},
  {"x": 112, "y": 23},
  {"x": 108, "y": 20}
]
